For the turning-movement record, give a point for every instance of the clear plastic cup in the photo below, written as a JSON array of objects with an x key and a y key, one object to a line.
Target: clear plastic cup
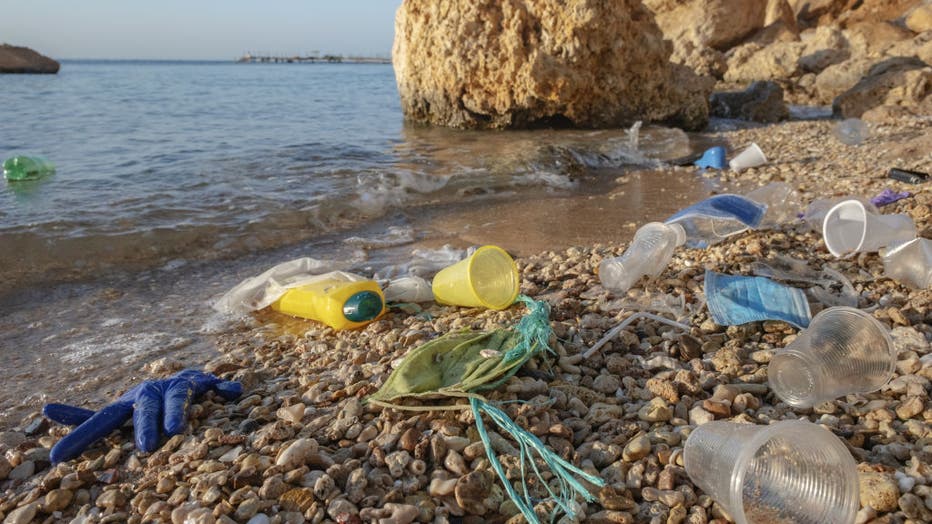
[
  {"x": 750, "y": 157},
  {"x": 817, "y": 209},
  {"x": 850, "y": 227},
  {"x": 782, "y": 203},
  {"x": 844, "y": 351},
  {"x": 649, "y": 254},
  {"x": 909, "y": 262},
  {"x": 792, "y": 471},
  {"x": 851, "y": 131}
]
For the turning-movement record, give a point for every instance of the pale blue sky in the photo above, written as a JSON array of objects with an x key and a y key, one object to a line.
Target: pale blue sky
[{"x": 197, "y": 29}]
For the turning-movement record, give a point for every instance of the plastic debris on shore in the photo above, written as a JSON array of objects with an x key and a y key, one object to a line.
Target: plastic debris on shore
[
  {"x": 844, "y": 351},
  {"x": 462, "y": 365},
  {"x": 790, "y": 471},
  {"x": 851, "y": 131},
  {"x": 752, "y": 156},
  {"x": 734, "y": 300},
  {"x": 814, "y": 215},
  {"x": 910, "y": 177},
  {"x": 649, "y": 254},
  {"x": 889, "y": 196},
  {"x": 424, "y": 263},
  {"x": 713, "y": 158},
  {"x": 712, "y": 220},
  {"x": 23, "y": 168},
  {"x": 851, "y": 227},
  {"x": 909, "y": 263},
  {"x": 153, "y": 405},
  {"x": 488, "y": 278},
  {"x": 255, "y": 293},
  {"x": 824, "y": 282}
]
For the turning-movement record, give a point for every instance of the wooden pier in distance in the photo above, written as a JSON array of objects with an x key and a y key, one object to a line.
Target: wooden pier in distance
[{"x": 249, "y": 58}]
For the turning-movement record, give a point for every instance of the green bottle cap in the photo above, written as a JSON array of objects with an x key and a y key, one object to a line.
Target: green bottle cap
[{"x": 363, "y": 306}]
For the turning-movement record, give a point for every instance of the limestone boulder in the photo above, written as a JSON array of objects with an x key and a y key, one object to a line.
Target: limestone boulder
[
  {"x": 514, "y": 64},
  {"x": 23, "y": 60},
  {"x": 717, "y": 24},
  {"x": 920, "y": 19},
  {"x": 753, "y": 61},
  {"x": 848, "y": 12},
  {"x": 824, "y": 46},
  {"x": 875, "y": 38},
  {"x": 702, "y": 30},
  {"x": 836, "y": 79},
  {"x": 809, "y": 10},
  {"x": 901, "y": 81}
]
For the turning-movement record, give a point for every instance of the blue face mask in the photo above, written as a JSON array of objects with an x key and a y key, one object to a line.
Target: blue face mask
[
  {"x": 717, "y": 217},
  {"x": 736, "y": 300},
  {"x": 727, "y": 206}
]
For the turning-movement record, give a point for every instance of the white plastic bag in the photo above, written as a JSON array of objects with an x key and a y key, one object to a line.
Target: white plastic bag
[{"x": 261, "y": 291}]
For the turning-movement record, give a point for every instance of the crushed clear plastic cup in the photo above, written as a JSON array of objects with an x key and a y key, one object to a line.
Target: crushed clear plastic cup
[{"x": 792, "y": 471}]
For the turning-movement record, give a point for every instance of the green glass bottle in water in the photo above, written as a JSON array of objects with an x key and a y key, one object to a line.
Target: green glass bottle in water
[{"x": 27, "y": 168}]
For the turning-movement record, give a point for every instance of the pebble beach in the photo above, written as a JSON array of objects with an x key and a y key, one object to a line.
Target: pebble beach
[{"x": 301, "y": 445}]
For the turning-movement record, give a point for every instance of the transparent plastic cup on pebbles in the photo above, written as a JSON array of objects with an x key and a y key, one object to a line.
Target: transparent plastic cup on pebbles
[
  {"x": 844, "y": 351},
  {"x": 753, "y": 156},
  {"x": 850, "y": 227},
  {"x": 792, "y": 471},
  {"x": 909, "y": 262},
  {"x": 814, "y": 215},
  {"x": 851, "y": 131}
]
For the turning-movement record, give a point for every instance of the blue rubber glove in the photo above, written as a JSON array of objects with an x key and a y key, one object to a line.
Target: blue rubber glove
[{"x": 151, "y": 404}]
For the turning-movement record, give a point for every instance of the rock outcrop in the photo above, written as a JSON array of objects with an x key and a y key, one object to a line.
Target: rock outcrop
[
  {"x": 897, "y": 81},
  {"x": 513, "y": 64},
  {"x": 24, "y": 60},
  {"x": 701, "y": 30},
  {"x": 760, "y": 102}
]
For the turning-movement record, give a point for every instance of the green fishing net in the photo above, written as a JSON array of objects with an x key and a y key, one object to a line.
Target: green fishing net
[{"x": 465, "y": 363}]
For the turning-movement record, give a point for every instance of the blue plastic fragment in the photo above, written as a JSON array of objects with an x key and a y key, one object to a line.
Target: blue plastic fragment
[
  {"x": 713, "y": 157},
  {"x": 735, "y": 300}
]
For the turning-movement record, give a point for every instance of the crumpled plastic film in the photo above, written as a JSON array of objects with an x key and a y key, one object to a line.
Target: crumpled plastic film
[{"x": 260, "y": 291}]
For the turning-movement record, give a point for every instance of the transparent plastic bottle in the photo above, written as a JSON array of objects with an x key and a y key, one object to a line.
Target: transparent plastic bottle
[
  {"x": 649, "y": 254},
  {"x": 26, "y": 168}
]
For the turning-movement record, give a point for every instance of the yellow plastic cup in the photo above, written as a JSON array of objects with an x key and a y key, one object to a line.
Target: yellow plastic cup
[{"x": 488, "y": 278}]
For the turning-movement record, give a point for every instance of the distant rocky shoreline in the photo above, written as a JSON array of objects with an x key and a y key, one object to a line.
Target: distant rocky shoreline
[{"x": 22, "y": 60}]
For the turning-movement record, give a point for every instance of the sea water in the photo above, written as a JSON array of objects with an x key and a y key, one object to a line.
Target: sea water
[{"x": 176, "y": 180}]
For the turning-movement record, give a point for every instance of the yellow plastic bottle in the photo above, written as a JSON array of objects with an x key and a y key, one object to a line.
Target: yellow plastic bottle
[{"x": 337, "y": 303}]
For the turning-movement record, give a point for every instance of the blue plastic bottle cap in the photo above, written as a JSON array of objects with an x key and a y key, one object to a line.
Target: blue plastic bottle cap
[{"x": 363, "y": 306}]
